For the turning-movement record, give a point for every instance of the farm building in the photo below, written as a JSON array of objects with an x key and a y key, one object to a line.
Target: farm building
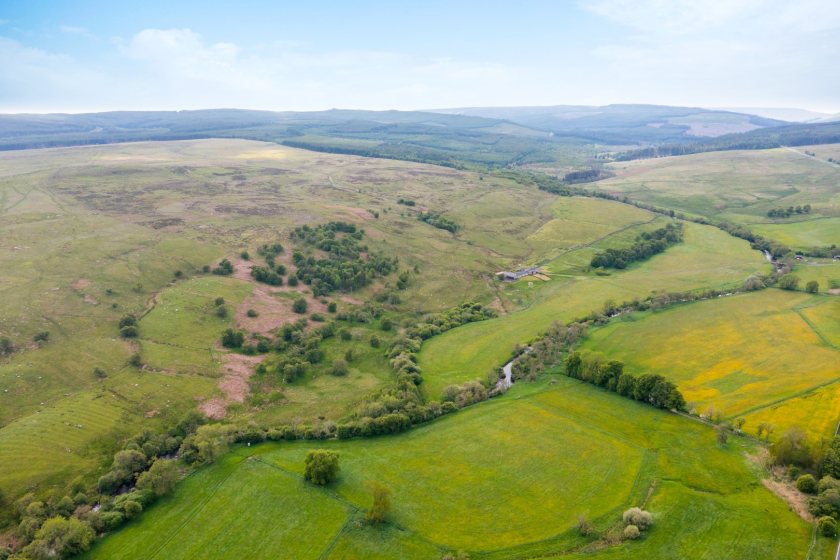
[{"x": 521, "y": 273}]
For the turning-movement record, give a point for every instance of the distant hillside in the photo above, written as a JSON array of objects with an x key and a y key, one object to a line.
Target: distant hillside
[
  {"x": 790, "y": 135},
  {"x": 625, "y": 124},
  {"x": 790, "y": 114}
]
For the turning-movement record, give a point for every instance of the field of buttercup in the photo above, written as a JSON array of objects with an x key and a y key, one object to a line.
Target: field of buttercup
[{"x": 739, "y": 355}]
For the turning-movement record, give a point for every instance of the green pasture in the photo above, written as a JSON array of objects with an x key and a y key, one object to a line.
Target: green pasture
[
  {"x": 471, "y": 481},
  {"x": 741, "y": 186}
]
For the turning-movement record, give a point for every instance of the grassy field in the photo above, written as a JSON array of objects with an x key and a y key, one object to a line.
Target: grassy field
[
  {"x": 739, "y": 355},
  {"x": 707, "y": 258},
  {"x": 470, "y": 481},
  {"x": 742, "y": 186}
]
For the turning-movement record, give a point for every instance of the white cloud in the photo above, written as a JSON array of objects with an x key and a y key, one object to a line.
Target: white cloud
[{"x": 73, "y": 30}]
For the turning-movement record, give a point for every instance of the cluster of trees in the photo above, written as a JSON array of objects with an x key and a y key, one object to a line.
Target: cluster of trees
[
  {"x": 57, "y": 526},
  {"x": 267, "y": 275},
  {"x": 586, "y": 176},
  {"x": 547, "y": 351},
  {"x": 128, "y": 326},
  {"x": 224, "y": 268},
  {"x": 654, "y": 390},
  {"x": 406, "y": 202},
  {"x": 636, "y": 521},
  {"x": 645, "y": 246},
  {"x": 436, "y": 323},
  {"x": 344, "y": 268},
  {"x": 439, "y": 221},
  {"x": 398, "y": 408},
  {"x": 789, "y": 211}
]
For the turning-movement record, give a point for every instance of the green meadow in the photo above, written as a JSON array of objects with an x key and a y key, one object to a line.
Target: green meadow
[{"x": 507, "y": 479}]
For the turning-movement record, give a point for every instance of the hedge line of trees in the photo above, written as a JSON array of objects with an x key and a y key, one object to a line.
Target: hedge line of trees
[
  {"x": 61, "y": 526},
  {"x": 345, "y": 268},
  {"x": 789, "y": 211},
  {"x": 651, "y": 389},
  {"x": 439, "y": 221},
  {"x": 398, "y": 408},
  {"x": 645, "y": 246}
]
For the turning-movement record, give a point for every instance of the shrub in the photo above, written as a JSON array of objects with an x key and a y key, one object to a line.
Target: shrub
[
  {"x": 317, "y": 317},
  {"x": 807, "y": 484},
  {"x": 789, "y": 282},
  {"x": 339, "y": 368},
  {"x": 293, "y": 281},
  {"x": 219, "y": 301},
  {"x": 345, "y": 334},
  {"x": 225, "y": 268},
  {"x": 42, "y": 336},
  {"x": 812, "y": 287},
  {"x": 245, "y": 256},
  {"x": 299, "y": 306},
  {"x": 631, "y": 532},
  {"x": 321, "y": 466},
  {"x": 584, "y": 526},
  {"x": 638, "y": 517},
  {"x": 381, "y": 504},
  {"x": 827, "y": 526},
  {"x": 332, "y": 307},
  {"x": 375, "y": 342},
  {"x": 221, "y": 312},
  {"x": 252, "y": 313},
  {"x": 135, "y": 360},
  {"x": 232, "y": 338},
  {"x": 129, "y": 331},
  {"x": 99, "y": 373}
]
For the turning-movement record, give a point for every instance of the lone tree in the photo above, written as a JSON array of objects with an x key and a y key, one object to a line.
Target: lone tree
[
  {"x": 381, "y": 504},
  {"x": 812, "y": 287},
  {"x": 789, "y": 282},
  {"x": 321, "y": 466}
]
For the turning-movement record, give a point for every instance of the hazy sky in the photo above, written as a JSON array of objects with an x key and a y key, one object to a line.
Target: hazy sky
[{"x": 302, "y": 55}]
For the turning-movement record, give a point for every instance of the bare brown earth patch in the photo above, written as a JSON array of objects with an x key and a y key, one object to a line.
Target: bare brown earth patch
[
  {"x": 91, "y": 300},
  {"x": 236, "y": 370},
  {"x": 796, "y": 500},
  {"x": 81, "y": 284},
  {"x": 272, "y": 312}
]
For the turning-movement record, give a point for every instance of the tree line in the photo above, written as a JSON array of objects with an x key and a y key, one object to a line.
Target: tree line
[
  {"x": 645, "y": 246},
  {"x": 439, "y": 221}
]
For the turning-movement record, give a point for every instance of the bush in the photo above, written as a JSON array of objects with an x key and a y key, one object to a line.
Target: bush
[
  {"x": 789, "y": 282},
  {"x": 375, "y": 342},
  {"x": 42, "y": 336},
  {"x": 299, "y": 306},
  {"x": 252, "y": 313},
  {"x": 221, "y": 312},
  {"x": 631, "y": 532},
  {"x": 381, "y": 505},
  {"x": 135, "y": 360},
  {"x": 339, "y": 368},
  {"x": 129, "y": 331},
  {"x": 321, "y": 466},
  {"x": 219, "y": 301},
  {"x": 584, "y": 526},
  {"x": 812, "y": 287},
  {"x": 293, "y": 281},
  {"x": 332, "y": 307},
  {"x": 638, "y": 517},
  {"x": 232, "y": 338},
  {"x": 345, "y": 334},
  {"x": 807, "y": 484},
  {"x": 827, "y": 526}
]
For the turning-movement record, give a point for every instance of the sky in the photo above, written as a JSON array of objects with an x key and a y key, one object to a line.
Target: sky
[{"x": 85, "y": 56}]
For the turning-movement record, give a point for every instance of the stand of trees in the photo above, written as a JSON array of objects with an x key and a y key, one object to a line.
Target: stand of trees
[
  {"x": 654, "y": 390},
  {"x": 789, "y": 211},
  {"x": 439, "y": 221},
  {"x": 348, "y": 265},
  {"x": 646, "y": 245}
]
